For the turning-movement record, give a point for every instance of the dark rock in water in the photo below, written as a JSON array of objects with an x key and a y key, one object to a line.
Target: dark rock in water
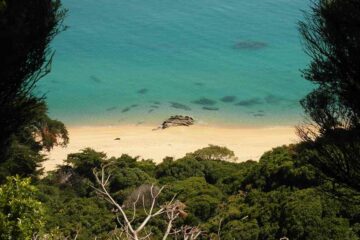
[
  {"x": 250, "y": 45},
  {"x": 126, "y": 110},
  {"x": 180, "y": 106},
  {"x": 117, "y": 139},
  {"x": 177, "y": 120},
  {"x": 95, "y": 79},
  {"x": 210, "y": 108},
  {"x": 228, "y": 99},
  {"x": 129, "y": 108},
  {"x": 143, "y": 91},
  {"x": 204, "y": 101},
  {"x": 249, "y": 102}
]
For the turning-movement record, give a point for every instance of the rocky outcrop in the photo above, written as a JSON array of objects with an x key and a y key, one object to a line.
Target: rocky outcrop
[{"x": 177, "y": 120}]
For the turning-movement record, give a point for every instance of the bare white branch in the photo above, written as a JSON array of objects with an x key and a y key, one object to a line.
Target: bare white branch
[{"x": 172, "y": 210}]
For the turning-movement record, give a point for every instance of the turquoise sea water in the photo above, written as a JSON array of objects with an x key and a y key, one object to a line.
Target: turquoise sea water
[{"x": 222, "y": 62}]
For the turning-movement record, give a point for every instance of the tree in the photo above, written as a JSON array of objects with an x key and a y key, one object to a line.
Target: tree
[
  {"x": 26, "y": 30},
  {"x": 137, "y": 230},
  {"x": 2, "y": 5},
  {"x": 331, "y": 36},
  {"x": 281, "y": 166},
  {"x": 331, "y": 33},
  {"x": 200, "y": 197},
  {"x": 85, "y": 161},
  {"x": 213, "y": 152},
  {"x": 21, "y": 215},
  {"x": 23, "y": 155},
  {"x": 306, "y": 216}
]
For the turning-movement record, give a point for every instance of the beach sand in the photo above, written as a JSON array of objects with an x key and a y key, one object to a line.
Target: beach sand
[{"x": 246, "y": 142}]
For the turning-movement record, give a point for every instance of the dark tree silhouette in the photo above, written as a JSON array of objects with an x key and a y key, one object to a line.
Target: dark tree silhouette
[
  {"x": 331, "y": 34},
  {"x": 26, "y": 30},
  {"x": 332, "y": 39}
]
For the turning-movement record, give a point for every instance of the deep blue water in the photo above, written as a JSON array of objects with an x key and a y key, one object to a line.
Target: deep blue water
[{"x": 232, "y": 61}]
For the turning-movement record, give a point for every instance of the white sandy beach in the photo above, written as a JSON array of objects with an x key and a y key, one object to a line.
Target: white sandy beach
[{"x": 246, "y": 142}]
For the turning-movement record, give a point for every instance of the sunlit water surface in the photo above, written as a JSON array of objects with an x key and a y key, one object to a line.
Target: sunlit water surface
[{"x": 227, "y": 62}]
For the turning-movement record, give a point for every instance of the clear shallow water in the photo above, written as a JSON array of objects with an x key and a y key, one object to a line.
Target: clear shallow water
[{"x": 141, "y": 61}]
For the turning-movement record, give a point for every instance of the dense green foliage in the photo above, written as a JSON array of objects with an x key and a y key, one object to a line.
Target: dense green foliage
[
  {"x": 278, "y": 196},
  {"x": 21, "y": 214},
  {"x": 213, "y": 152}
]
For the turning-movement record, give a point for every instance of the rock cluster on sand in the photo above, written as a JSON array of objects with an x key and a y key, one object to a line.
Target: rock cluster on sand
[{"x": 177, "y": 120}]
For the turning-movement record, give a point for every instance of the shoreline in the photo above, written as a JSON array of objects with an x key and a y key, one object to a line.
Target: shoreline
[
  {"x": 198, "y": 123},
  {"x": 247, "y": 142}
]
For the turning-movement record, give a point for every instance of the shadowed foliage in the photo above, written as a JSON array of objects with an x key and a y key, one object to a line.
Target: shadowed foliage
[
  {"x": 26, "y": 29},
  {"x": 331, "y": 34}
]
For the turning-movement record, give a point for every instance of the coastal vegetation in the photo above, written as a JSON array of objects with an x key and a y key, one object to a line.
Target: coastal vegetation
[
  {"x": 278, "y": 196},
  {"x": 27, "y": 29},
  {"x": 331, "y": 134},
  {"x": 308, "y": 190}
]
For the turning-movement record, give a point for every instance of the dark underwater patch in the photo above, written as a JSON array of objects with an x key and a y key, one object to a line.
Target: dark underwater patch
[
  {"x": 272, "y": 99},
  {"x": 150, "y": 110},
  {"x": 211, "y": 108},
  {"x": 200, "y": 84},
  {"x": 250, "y": 45},
  {"x": 55, "y": 81},
  {"x": 156, "y": 102},
  {"x": 126, "y": 110},
  {"x": 111, "y": 109},
  {"x": 143, "y": 91},
  {"x": 259, "y": 115},
  {"x": 249, "y": 102},
  {"x": 179, "y": 106},
  {"x": 293, "y": 103},
  {"x": 139, "y": 123},
  {"x": 154, "y": 106},
  {"x": 205, "y": 102},
  {"x": 95, "y": 79},
  {"x": 228, "y": 99}
]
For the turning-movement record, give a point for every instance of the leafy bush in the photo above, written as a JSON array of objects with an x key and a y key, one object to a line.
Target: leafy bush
[{"x": 21, "y": 214}]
